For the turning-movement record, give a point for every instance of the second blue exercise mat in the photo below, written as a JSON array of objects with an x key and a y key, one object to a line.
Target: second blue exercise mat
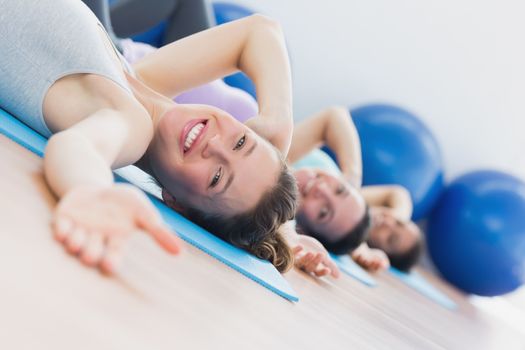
[
  {"x": 259, "y": 270},
  {"x": 420, "y": 284}
]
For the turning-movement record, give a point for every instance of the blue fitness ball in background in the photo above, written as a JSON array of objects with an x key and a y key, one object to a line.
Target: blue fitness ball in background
[
  {"x": 153, "y": 36},
  {"x": 226, "y": 12},
  {"x": 476, "y": 233},
  {"x": 397, "y": 148}
]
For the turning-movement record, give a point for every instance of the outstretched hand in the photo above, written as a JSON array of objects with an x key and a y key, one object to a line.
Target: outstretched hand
[
  {"x": 94, "y": 222},
  {"x": 312, "y": 257}
]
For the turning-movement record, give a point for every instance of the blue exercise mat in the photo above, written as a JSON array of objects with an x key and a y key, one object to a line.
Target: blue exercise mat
[
  {"x": 351, "y": 268},
  {"x": 419, "y": 283},
  {"x": 260, "y": 271}
]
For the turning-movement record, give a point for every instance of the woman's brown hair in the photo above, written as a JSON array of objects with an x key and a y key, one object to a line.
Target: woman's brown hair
[{"x": 257, "y": 230}]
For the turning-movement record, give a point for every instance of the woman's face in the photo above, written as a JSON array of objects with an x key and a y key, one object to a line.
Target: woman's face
[
  {"x": 390, "y": 234},
  {"x": 328, "y": 205},
  {"x": 208, "y": 160}
]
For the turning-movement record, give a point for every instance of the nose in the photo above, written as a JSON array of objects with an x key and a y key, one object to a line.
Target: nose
[
  {"x": 215, "y": 148},
  {"x": 320, "y": 189}
]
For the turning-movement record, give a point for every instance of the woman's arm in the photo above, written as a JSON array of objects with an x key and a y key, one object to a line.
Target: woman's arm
[
  {"x": 335, "y": 128},
  {"x": 397, "y": 198},
  {"x": 254, "y": 45},
  {"x": 94, "y": 215},
  {"x": 79, "y": 157}
]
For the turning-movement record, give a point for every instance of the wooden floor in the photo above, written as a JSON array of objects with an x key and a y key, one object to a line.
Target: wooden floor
[{"x": 49, "y": 301}]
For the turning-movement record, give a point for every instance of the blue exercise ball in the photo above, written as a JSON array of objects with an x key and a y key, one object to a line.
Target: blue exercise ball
[
  {"x": 224, "y": 13},
  {"x": 476, "y": 233},
  {"x": 397, "y": 148},
  {"x": 153, "y": 36},
  {"x": 241, "y": 81}
]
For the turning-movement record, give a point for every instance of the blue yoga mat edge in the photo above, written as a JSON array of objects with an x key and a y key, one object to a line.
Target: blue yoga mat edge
[{"x": 260, "y": 271}]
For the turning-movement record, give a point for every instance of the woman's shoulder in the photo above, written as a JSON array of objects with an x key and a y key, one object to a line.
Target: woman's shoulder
[{"x": 318, "y": 159}]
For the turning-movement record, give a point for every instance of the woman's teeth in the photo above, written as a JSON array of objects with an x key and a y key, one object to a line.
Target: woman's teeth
[{"x": 192, "y": 135}]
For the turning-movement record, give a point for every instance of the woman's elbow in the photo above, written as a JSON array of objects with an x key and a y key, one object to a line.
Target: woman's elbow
[
  {"x": 337, "y": 117},
  {"x": 400, "y": 191},
  {"x": 338, "y": 111},
  {"x": 262, "y": 21}
]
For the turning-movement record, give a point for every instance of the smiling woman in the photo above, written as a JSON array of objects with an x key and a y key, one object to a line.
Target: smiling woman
[
  {"x": 225, "y": 177},
  {"x": 331, "y": 210},
  {"x": 100, "y": 114},
  {"x": 206, "y": 158}
]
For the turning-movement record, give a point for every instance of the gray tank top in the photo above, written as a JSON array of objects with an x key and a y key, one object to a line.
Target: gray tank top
[{"x": 43, "y": 41}]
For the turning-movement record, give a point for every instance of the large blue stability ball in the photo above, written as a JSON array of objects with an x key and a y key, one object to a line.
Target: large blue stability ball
[
  {"x": 397, "y": 148},
  {"x": 153, "y": 36},
  {"x": 226, "y": 12},
  {"x": 476, "y": 233}
]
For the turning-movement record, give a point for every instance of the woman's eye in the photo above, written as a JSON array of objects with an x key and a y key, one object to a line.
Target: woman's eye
[
  {"x": 323, "y": 213},
  {"x": 240, "y": 143},
  {"x": 216, "y": 178},
  {"x": 340, "y": 189}
]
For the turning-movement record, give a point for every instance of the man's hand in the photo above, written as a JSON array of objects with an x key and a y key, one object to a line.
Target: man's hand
[{"x": 312, "y": 257}]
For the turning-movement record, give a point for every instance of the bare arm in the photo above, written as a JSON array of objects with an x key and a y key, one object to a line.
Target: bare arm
[
  {"x": 254, "y": 45},
  {"x": 394, "y": 197},
  {"x": 335, "y": 128},
  {"x": 94, "y": 216},
  {"x": 309, "y": 254},
  {"x": 83, "y": 154}
]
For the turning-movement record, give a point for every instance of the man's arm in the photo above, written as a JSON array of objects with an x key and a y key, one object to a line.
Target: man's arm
[{"x": 333, "y": 127}]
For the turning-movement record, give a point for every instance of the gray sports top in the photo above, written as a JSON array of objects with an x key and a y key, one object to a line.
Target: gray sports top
[{"x": 43, "y": 41}]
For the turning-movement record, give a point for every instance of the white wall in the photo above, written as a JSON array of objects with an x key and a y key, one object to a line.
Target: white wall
[{"x": 459, "y": 64}]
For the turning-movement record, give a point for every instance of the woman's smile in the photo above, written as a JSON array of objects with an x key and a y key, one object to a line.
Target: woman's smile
[{"x": 192, "y": 134}]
